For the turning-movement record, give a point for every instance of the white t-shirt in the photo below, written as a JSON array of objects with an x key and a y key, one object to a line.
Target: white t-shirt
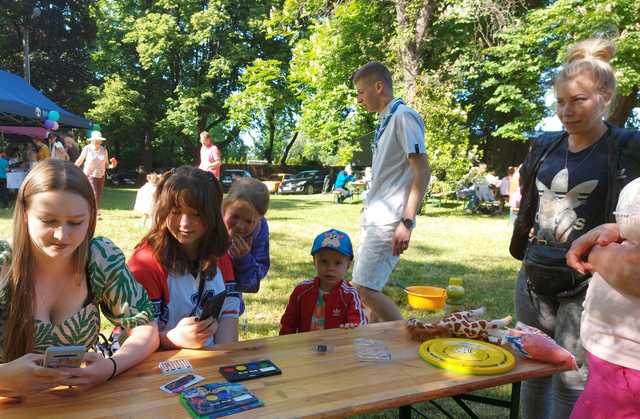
[
  {"x": 391, "y": 172},
  {"x": 95, "y": 161},
  {"x": 610, "y": 325},
  {"x": 174, "y": 295}
]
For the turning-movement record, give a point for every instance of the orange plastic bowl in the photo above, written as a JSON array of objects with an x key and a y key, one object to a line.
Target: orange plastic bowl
[{"x": 426, "y": 298}]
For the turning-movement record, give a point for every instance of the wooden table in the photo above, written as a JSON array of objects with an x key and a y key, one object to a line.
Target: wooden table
[{"x": 311, "y": 385}]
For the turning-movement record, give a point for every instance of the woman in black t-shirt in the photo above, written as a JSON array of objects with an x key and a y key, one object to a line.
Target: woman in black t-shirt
[{"x": 569, "y": 184}]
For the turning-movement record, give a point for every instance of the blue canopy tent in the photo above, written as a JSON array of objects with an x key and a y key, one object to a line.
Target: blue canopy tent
[{"x": 21, "y": 104}]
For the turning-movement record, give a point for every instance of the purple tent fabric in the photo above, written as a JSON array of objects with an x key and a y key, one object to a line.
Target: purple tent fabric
[{"x": 34, "y": 132}]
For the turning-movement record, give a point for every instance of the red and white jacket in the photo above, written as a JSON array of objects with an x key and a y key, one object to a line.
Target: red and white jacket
[{"x": 342, "y": 305}]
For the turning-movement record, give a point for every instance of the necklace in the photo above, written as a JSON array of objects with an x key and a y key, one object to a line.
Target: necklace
[{"x": 562, "y": 178}]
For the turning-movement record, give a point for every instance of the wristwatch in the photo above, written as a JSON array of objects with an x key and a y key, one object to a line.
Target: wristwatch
[{"x": 409, "y": 223}]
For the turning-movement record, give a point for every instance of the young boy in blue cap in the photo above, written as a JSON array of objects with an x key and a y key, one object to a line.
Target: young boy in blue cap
[{"x": 327, "y": 301}]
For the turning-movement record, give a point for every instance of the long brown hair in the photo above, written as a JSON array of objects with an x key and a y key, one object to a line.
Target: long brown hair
[
  {"x": 197, "y": 189},
  {"x": 48, "y": 175}
]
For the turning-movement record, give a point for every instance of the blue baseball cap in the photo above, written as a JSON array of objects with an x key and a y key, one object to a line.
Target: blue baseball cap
[{"x": 335, "y": 240}]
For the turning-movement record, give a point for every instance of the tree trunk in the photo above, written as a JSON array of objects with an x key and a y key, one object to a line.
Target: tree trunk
[
  {"x": 272, "y": 134},
  {"x": 624, "y": 107},
  {"x": 287, "y": 149},
  {"x": 412, "y": 40},
  {"x": 147, "y": 153}
]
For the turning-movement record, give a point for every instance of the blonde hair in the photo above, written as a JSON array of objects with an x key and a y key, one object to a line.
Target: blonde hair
[
  {"x": 593, "y": 56},
  {"x": 48, "y": 175}
]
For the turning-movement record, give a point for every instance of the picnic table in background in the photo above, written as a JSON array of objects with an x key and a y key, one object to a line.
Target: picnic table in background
[{"x": 334, "y": 384}]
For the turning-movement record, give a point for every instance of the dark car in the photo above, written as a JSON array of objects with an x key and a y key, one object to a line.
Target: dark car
[
  {"x": 308, "y": 181},
  {"x": 229, "y": 175}
]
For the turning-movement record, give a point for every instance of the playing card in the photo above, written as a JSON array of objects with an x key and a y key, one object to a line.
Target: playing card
[
  {"x": 180, "y": 383},
  {"x": 175, "y": 366}
]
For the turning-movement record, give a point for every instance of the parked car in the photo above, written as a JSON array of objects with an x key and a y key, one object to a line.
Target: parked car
[
  {"x": 274, "y": 181},
  {"x": 308, "y": 182},
  {"x": 229, "y": 175},
  {"x": 122, "y": 178}
]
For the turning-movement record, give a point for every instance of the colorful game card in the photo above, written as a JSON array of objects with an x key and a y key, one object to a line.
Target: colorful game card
[
  {"x": 214, "y": 400},
  {"x": 249, "y": 370},
  {"x": 180, "y": 383}
]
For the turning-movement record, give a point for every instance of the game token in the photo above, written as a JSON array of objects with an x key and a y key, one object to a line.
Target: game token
[
  {"x": 322, "y": 348},
  {"x": 467, "y": 356}
]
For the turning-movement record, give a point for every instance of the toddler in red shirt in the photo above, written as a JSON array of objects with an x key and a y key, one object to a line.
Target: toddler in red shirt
[{"x": 327, "y": 301}]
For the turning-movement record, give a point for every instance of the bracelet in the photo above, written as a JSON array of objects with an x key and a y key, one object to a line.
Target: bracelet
[{"x": 115, "y": 368}]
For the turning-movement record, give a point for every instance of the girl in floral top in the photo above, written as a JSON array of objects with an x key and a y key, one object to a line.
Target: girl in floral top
[{"x": 54, "y": 280}]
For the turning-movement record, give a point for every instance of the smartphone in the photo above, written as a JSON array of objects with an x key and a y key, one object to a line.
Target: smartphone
[
  {"x": 212, "y": 306},
  {"x": 69, "y": 356}
]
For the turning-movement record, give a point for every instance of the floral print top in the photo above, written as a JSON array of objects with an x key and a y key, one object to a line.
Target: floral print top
[{"x": 121, "y": 299}]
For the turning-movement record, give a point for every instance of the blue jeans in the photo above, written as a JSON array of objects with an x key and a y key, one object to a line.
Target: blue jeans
[{"x": 552, "y": 397}]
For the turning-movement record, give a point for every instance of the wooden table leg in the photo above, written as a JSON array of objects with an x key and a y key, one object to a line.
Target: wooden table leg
[
  {"x": 514, "y": 412},
  {"x": 404, "y": 412}
]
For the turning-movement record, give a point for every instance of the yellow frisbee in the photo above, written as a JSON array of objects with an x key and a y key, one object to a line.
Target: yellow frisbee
[{"x": 467, "y": 356}]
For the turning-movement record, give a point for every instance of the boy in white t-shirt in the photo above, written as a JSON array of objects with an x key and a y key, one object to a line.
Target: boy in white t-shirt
[{"x": 400, "y": 173}]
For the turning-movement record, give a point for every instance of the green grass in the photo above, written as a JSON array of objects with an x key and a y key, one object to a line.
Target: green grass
[{"x": 445, "y": 243}]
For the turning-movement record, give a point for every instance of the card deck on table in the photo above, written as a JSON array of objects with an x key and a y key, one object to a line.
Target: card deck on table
[
  {"x": 68, "y": 356},
  {"x": 180, "y": 383},
  {"x": 175, "y": 366},
  {"x": 249, "y": 370}
]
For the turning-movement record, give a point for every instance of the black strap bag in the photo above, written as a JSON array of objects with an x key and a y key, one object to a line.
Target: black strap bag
[{"x": 547, "y": 271}]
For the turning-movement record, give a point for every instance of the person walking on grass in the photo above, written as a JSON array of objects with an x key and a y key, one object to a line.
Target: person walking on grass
[
  {"x": 210, "y": 157},
  {"x": 400, "y": 172},
  {"x": 94, "y": 160}
]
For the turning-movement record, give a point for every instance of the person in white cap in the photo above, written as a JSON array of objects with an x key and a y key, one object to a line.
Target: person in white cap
[{"x": 96, "y": 162}]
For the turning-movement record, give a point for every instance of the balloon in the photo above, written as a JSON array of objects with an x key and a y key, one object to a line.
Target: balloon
[
  {"x": 88, "y": 133},
  {"x": 48, "y": 124},
  {"x": 54, "y": 115},
  {"x": 55, "y": 126}
]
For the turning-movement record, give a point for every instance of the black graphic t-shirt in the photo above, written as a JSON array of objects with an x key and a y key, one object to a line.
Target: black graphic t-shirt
[{"x": 572, "y": 198}]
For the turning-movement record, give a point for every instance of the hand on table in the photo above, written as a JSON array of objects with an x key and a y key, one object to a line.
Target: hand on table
[{"x": 96, "y": 371}]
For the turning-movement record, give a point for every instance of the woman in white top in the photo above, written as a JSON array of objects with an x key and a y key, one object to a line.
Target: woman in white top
[{"x": 96, "y": 162}]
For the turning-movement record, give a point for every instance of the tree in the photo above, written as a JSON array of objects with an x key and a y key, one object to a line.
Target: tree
[
  {"x": 61, "y": 38},
  {"x": 413, "y": 33},
  {"x": 265, "y": 105},
  {"x": 185, "y": 57},
  {"x": 518, "y": 72}
]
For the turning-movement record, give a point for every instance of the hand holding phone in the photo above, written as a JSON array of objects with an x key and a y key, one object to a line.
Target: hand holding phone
[{"x": 212, "y": 306}]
